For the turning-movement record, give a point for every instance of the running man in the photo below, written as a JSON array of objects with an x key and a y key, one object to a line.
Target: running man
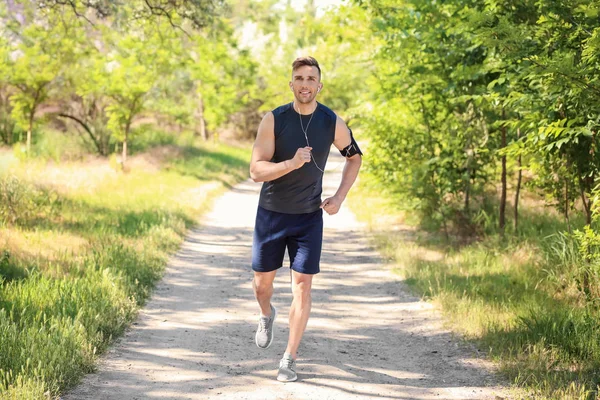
[{"x": 289, "y": 156}]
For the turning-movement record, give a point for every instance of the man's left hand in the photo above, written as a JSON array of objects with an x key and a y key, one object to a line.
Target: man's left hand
[{"x": 332, "y": 205}]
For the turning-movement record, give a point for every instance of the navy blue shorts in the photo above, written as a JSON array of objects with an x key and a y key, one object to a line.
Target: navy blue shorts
[{"x": 302, "y": 234}]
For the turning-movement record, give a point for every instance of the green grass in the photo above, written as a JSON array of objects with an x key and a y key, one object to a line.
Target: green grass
[
  {"x": 81, "y": 247},
  {"x": 519, "y": 297}
]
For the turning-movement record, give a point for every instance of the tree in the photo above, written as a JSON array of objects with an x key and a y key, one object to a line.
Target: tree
[
  {"x": 7, "y": 124},
  {"x": 434, "y": 142},
  {"x": 138, "y": 61},
  {"x": 462, "y": 82},
  {"x": 556, "y": 46},
  {"x": 43, "y": 47}
]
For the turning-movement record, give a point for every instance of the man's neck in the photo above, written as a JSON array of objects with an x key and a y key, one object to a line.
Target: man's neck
[{"x": 305, "y": 109}]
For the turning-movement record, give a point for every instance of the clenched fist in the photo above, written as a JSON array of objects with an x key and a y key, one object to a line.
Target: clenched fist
[
  {"x": 302, "y": 157},
  {"x": 332, "y": 205}
]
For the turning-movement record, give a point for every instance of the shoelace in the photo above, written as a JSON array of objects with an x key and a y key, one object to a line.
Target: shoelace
[
  {"x": 286, "y": 363},
  {"x": 264, "y": 321}
]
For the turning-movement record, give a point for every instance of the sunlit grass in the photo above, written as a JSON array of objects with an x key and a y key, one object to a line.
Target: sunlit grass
[
  {"x": 82, "y": 245},
  {"x": 517, "y": 298}
]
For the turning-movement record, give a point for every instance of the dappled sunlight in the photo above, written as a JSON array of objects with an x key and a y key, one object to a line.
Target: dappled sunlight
[{"x": 366, "y": 337}]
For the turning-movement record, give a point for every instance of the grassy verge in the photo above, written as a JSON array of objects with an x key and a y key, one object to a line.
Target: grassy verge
[
  {"x": 81, "y": 247},
  {"x": 517, "y": 297}
]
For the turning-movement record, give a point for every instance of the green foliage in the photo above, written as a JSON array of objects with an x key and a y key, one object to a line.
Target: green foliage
[
  {"x": 344, "y": 47},
  {"x": 588, "y": 239},
  {"x": 454, "y": 78},
  {"x": 135, "y": 68},
  {"x": 339, "y": 39},
  {"x": 58, "y": 147},
  {"x": 226, "y": 89},
  {"x": 428, "y": 121},
  {"x": 100, "y": 80},
  {"x": 42, "y": 53},
  {"x": 148, "y": 136}
]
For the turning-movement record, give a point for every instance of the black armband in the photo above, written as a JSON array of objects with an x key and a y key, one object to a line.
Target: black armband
[{"x": 352, "y": 149}]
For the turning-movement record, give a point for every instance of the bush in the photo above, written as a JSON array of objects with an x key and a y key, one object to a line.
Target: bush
[
  {"x": 145, "y": 137},
  {"x": 22, "y": 203},
  {"x": 58, "y": 146}
]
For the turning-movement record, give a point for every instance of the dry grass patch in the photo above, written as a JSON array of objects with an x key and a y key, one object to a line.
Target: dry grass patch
[{"x": 49, "y": 245}]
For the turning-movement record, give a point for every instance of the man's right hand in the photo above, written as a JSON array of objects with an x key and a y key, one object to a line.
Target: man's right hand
[{"x": 302, "y": 157}]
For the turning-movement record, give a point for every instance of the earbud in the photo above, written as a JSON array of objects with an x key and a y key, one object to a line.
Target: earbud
[{"x": 318, "y": 90}]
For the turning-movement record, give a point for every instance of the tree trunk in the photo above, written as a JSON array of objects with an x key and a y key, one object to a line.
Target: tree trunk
[
  {"x": 310, "y": 8},
  {"x": 586, "y": 204},
  {"x": 502, "y": 216},
  {"x": 132, "y": 112},
  {"x": 467, "y": 193},
  {"x": 31, "y": 117},
  {"x": 29, "y": 129},
  {"x": 7, "y": 127},
  {"x": 124, "y": 152},
  {"x": 468, "y": 184},
  {"x": 201, "y": 122},
  {"x": 567, "y": 204},
  {"x": 518, "y": 189}
]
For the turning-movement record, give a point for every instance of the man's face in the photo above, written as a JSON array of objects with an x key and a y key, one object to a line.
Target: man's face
[{"x": 305, "y": 83}]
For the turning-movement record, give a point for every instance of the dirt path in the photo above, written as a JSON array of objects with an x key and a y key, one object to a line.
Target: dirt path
[{"x": 367, "y": 338}]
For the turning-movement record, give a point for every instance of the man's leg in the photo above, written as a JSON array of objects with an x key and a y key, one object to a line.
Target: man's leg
[
  {"x": 299, "y": 310},
  {"x": 299, "y": 313},
  {"x": 263, "y": 290},
  {"x": 305, "y": 254}
]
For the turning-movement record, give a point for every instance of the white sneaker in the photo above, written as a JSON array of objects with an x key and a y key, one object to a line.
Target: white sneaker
[
  {"x": 264, "y": 332},
  {"x": 287, "y": 369}
]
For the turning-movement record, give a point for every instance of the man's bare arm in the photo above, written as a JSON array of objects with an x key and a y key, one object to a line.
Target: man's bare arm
[
  {"x": 262, "y": 169},
  {"x": 351, "y": 168}
]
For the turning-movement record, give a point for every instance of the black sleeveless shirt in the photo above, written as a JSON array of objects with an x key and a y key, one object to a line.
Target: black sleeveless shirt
[{"x": 299, "y": 191}]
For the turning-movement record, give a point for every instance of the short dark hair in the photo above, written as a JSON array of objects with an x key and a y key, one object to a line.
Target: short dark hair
[{"x": 302, "y": 61}]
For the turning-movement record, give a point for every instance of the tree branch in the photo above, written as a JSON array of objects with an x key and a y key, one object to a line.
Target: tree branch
[
  {"x": 163, "y": 12},
  {"x": 573, "y": 78},
  {"x": 84, "y": 125}
]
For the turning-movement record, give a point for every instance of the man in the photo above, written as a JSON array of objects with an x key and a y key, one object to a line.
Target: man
[{"x": 289, "y": 156}]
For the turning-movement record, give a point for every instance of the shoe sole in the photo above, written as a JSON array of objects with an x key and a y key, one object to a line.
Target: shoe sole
[
  {"x": 288, "y": 380},
  {"x": 274, "y": 315}
]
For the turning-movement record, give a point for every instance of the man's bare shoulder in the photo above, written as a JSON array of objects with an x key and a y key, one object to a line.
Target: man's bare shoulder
[{"x": 268, "y": 115}]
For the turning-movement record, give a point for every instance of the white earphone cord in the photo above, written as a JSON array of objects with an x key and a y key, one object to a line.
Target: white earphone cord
[{"x": 306, "y": 137}]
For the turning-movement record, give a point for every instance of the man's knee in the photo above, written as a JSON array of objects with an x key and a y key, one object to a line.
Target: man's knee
[
  {"x": 302, "y": 289},
  {"x": 263, "y": 283}
]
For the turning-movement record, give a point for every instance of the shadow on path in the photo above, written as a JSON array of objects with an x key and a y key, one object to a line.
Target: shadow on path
[{"x": 366, "y": 339}]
